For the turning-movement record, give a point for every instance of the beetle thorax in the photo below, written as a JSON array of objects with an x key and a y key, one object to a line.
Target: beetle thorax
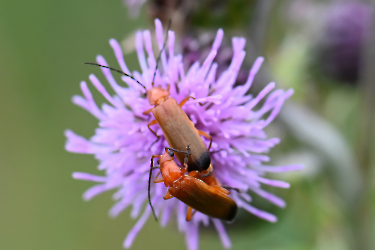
[
  {"x": 157, "y": 95},
  {"x": 169, "y": 170}
]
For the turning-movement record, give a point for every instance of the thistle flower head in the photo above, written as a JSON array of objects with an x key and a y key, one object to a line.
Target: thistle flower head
[{"x": 123, "y": 144}]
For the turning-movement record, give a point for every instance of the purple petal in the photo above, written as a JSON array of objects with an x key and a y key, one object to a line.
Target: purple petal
[
  {"x": 95, "y": 190},
  {"x": 222, "y": 233},
  {"x": 261, "y": 95},
  {"x": 270, "y": 197},
  {"x": 259, "y": 213},
  {"x": 191, "y": 238},
  {"x": 275, "y": 183},
  {"x": 119, "y": 55},
  {"x": 206, "y": 65},
  {"x": 138, "y": 226},
  {"x": 254, "y": 70},
  {"x": 140, "y": 52},
  {"x": 95, "y": 81},
  {"x": 218, "y": 39},
  {"x": 280, "y": 169},
  {"x": 88, "y": 177},
  {"x": 107, "y": 73},
  {"x": 78, "y": 144}
]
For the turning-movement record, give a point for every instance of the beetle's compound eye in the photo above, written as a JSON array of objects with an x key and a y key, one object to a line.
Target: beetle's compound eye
[{"x": 171, "y": 154}]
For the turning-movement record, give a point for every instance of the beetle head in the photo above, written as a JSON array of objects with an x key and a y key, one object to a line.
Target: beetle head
[{"x": 156, "y": 95}]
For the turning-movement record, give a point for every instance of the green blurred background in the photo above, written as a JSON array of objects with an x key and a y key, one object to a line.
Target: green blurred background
[{"x": 43, "y": 45}]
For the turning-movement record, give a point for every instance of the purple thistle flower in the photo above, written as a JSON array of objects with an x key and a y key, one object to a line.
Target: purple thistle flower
[{"x": 123, "y": 144}]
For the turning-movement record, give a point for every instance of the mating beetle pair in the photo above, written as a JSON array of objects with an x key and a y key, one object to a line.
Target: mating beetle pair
[
  {"x": 202, "y": 192},
  {"x": 211, "y": 200}
]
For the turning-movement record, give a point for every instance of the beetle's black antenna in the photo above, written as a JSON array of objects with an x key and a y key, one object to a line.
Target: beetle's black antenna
[
  {"x": 165, "y": 42},
  {"x": 119, "y": 71},
  {"x": 149, "y": 184}
]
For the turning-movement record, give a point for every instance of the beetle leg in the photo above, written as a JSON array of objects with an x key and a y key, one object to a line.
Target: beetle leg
[
  {"x": 187, "y": 157},
  {"x": 158, "y": 178},
  {"x": 202, "y": 133},
  {"x": 153, "y": 123},
  {"x": 147, "y": 111},
  {"x": 179, "y": 151},
  {"x": 190, "y": 213},
  {"x": 182, "y": 103},
  {"x": 149, "y": 184},
  {"x": 168, "y": 196}
]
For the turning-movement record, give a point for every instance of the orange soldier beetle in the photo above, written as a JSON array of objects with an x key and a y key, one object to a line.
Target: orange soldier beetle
[
  {"x": 177, "y": 128},
  {"x": 211, "y": 200}
]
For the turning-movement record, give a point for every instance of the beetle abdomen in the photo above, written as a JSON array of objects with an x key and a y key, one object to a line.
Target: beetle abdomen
[
  {"x": 180, "y": 132},
  {"x": 201, "y": 197}
]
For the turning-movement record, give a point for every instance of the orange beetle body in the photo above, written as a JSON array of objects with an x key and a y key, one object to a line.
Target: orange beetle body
[
  {"x": 178, "y": 130},
  {"x": 207, "y": 199}
]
